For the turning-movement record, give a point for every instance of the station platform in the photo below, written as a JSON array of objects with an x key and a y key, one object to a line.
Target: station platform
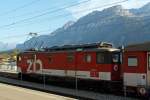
[
  {"x": 78, "y": 94},
  {"x": 8, "y": 92}
]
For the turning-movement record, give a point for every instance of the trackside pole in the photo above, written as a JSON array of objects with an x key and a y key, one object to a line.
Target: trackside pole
[
  {"x": 124, "y": 82},
  {"x": 43, "y": 78},
  {"x": 76, "y": 78},
  {"x": 125, "y": 89},
  {"x": 21, "y": 76},
  {"x": 76, "y": 85}
]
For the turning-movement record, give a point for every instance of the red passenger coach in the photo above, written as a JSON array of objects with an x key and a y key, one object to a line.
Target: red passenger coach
[
  {"x": 136, "y": 68},
  {"x": 97, "y": 61}
]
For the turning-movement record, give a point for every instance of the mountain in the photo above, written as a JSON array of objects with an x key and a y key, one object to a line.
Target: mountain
[
  {"x": 115, "y": 24},
  {"x": 142, "y": 11}
]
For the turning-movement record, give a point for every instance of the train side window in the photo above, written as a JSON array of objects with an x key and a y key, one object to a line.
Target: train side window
[
  {"x": 87, "y": 58},
  {"x": 70, "y": 57},
  {"x": 50, "y": 58},
  {"x": 132, "y": 61},
  {"x": 100, "y": 58}
]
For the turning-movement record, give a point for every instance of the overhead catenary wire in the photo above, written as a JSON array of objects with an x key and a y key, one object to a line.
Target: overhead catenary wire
[
  {"x": 77, "y": 12},
  {"x": 21, "y": 35},
  {"x": 42, "y": 14},
  {"x": 80, "y": 25},
  {"x": 20, "y": 7},
  {"x": 64, "y": 15},
  {"x": 38, "y": 11},
  {"x": 48, "y": 29}
]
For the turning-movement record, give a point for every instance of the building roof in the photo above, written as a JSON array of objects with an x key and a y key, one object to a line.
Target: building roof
[{"x": 138, "y": 47}]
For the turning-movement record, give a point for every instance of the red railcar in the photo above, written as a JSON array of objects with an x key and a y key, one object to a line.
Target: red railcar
[
  {"x": 98, "y": 61},
  {"x": 136, "y": 68}
]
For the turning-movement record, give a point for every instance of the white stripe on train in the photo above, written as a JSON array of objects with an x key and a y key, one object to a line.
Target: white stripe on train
[{"x": 71, "y": 73}]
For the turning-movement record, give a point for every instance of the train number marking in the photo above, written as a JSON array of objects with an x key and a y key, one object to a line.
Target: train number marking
[
  {"x": 29, "y": 62},
  {"x": 32, "y": 65},
  {"x": 94, "y": 73}
]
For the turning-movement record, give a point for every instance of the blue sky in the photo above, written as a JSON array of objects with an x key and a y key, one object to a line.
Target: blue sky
[{"x": 46, "y": 24}]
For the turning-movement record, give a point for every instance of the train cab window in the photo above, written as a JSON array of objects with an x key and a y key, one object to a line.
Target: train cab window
[
  {"x": 88, "y": 58},
  {"x": 70, "y": 57},
  {"x": 115, "y": 58},
  {"x": 104, "y": 58},
  {"x": 132, "y": 61}
]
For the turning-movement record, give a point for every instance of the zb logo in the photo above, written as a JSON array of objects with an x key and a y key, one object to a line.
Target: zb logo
[{"x": 34, "y": 65}]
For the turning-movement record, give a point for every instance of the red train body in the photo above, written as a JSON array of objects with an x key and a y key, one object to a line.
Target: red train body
[
  {"x": 89, "y": 63},
  {"x": 136, "y": 68},
  {"x": 98, "y": 62}
]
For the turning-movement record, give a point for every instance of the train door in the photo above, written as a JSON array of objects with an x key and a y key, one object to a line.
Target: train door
[{"x": 148, "y": 68}]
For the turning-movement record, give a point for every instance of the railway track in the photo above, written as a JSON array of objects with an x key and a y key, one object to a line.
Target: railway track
[{"x": 61, "y": 89}]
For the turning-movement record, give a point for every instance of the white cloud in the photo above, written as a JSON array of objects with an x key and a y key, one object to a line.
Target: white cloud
[
  {"x": 87, "y": 7},
  {"x": 135, "y": 3}
]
